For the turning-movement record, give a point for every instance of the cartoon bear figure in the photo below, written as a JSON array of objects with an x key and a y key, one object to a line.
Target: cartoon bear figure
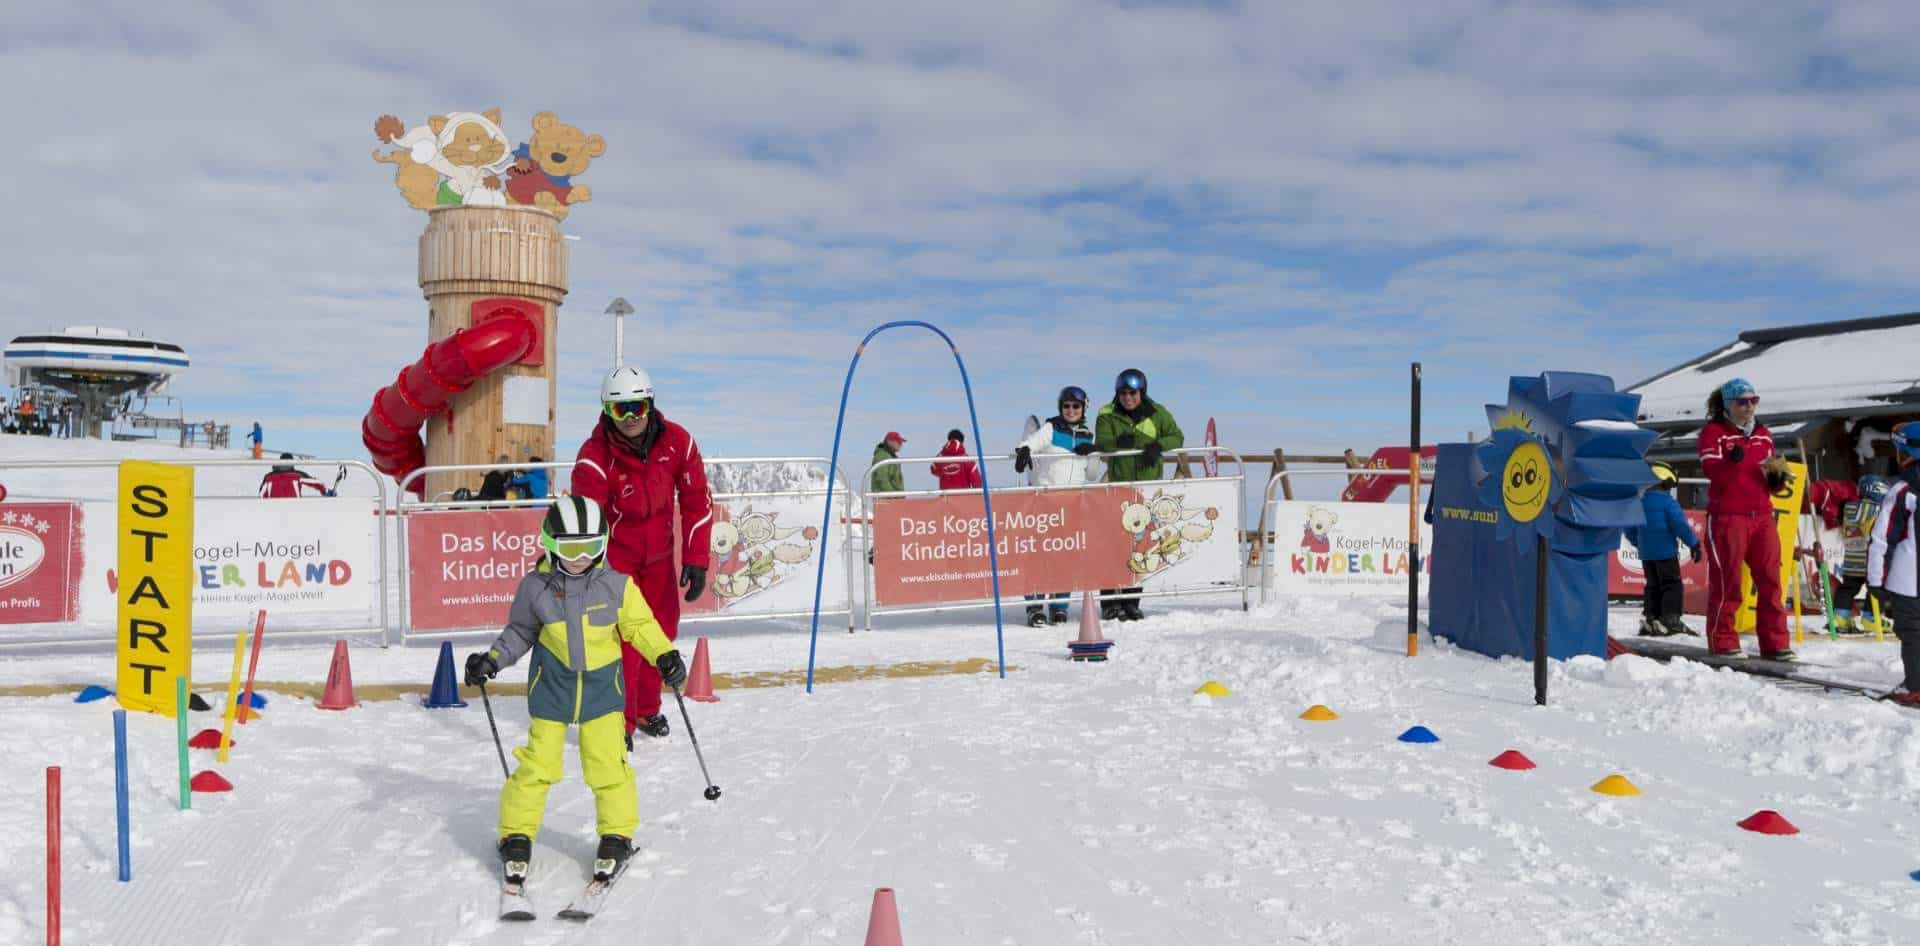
[
  {"x": 453, "y": 159},
  {"x": 729, "y": 570},
  {"x": 543, "y": 168},
  {"x": 1137, "y": 519},
  {"x": 1318, "y": 536}
]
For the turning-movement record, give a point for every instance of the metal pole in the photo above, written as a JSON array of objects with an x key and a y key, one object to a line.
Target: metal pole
[
  {"x": 1540, "y": 619},
  {"x": 1413, "y": 524},
  {"x": 619, "y": 309}
]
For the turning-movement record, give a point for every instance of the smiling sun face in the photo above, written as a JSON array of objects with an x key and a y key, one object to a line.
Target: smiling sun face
[{"x": 1525, "y": 481}]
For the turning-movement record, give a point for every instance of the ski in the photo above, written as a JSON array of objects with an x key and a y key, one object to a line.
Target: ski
[
  {"x": 593, "y": 897},
  {"x": 514, "y": 904}
]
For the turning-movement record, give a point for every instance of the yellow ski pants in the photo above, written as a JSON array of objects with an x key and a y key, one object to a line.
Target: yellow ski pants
[{"x": 603, "y": 763}]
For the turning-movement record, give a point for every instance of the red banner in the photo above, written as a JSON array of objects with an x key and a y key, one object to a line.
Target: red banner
[
  {"x": 1625, "y": 577},
  {"x": 464, "y": 564},
  {"x": 40, "y": 563},
  {"x": 1376, "y": 489}
]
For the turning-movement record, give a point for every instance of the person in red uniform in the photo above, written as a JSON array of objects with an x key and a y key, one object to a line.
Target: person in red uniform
[
  {"x": 1736, "y": 451},
  {"x": 954, "y": 474},
  {"x": 636, "y": 464},
  {"x": 285, "y": 481}
]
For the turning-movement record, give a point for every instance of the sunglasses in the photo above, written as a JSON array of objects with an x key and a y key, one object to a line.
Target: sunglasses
[
  {"x": 625, "y": 410},
  {"x": 1072, "y": 406},
  {"x": 1748, "y": 401},
  {"x": 575, "y": 548}
]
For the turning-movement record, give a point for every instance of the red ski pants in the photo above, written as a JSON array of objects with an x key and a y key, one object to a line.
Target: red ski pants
[
  {"x": 661, "y": 588},
  {"x": 1750, "y": 539}
]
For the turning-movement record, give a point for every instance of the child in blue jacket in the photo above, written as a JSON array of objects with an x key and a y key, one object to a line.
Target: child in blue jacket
[{"x": 1658, "y": 541}]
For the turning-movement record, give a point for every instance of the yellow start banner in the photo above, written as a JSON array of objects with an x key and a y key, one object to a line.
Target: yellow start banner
[
  {"x": 1786, "y": 518},
  {"x": 155, "y": 591}
]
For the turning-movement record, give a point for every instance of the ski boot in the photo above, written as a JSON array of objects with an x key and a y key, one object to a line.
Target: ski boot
[
  {"x": 1783, "y": 656},
  {"x": 1677, "y": 626},
  {"x": 1907, "y": 698},
  {"x": 1036, "y": 616},
  {"x": 1130, "y": 611},
  {"x": 516, "y": 852},
  {"x": 655, "y": 726},
  {"x": 1110, "y": 611},
  {"x": 1057, "y": 615},
  {"x": 1651, "y": 627},
  {"x": 611, "y": 859}
]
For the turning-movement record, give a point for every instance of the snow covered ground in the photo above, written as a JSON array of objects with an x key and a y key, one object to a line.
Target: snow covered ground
[{"x": 1066, "y": 804}]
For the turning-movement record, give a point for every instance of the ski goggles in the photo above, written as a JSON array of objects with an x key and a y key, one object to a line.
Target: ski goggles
[
  {"x": 1751, "y": 400},
  {"x": 571, "y": 548},
  {"x": 626, "y": 410}
]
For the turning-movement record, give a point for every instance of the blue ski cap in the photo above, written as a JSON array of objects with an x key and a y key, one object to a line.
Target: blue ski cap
[
  {"x": 1736, "y": 387},
  {"x": 1906, "y": 439}
]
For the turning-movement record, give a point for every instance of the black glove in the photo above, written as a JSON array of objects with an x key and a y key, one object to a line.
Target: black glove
[
  {"x": 694, "y": 579},
  {"x": 1777, "y": 480},
  {"x": 481, "y": 667},
  {"x": 1151, "y": 452},
  {"x": 1125, "y": 441},
  {"x": 1693, "y": 552},
  {"x": 673, "y": 670},
  {"x": 1082, "y": 449},
  {"x": 1737, "y": 453},
  {"x": 1022, "y": 459}
]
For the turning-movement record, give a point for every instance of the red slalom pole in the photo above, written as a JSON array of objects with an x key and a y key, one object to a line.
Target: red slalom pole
[
  {"x": 253, "y": 663},
  {"x": 53, "y": 855}
]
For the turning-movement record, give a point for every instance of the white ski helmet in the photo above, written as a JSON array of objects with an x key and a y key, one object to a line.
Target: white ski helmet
[{"x": 626, "y": 384}]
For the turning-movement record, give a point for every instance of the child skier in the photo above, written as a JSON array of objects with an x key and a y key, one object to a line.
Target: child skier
[
  {"x": 1660, "y": 558},
  {"x": 1893, "y": 562},
  {"x": 1856, "y": 525},
  {"x": 571, "y": 613}
]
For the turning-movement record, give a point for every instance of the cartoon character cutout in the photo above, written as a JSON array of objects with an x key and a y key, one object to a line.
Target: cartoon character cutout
[
  {"x": 750, "y": 550},
  {"x": 1161, "y": 529},
  {"x": 544, "y": 168},
  {"x": 453, "y": 159},
  {"x": 1318, "y": 536}
]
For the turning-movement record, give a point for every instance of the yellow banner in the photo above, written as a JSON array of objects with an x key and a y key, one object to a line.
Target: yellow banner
[
  {"x": 1786, "y": 518},
  {"x": 155, "y": 591}
]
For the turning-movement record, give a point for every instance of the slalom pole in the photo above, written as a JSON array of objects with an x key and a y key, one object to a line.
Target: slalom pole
[
  {"x": 53, "y": 855},
  {"x": 713, "y": 791},
  {"x": 120, "y": 793},
  {"x": 253, "y": 664},
  {"x": 233, "y": 695},
  {"x": 1879, "y": 623},
  {"x": 180, "y": 726},
  {"x": 496, "y": 730},
  {"x": 1540, "y": 620},
  {"x": 1799, "y": 632},
  {"x": 1413, "y": 524}
]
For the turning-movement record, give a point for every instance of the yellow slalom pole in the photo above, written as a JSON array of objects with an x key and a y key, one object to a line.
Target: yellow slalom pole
[
  {"x": 1799, "y": 632},
  {"x": 1879, "y": 625},
  {"x": 233, "y": 694}
]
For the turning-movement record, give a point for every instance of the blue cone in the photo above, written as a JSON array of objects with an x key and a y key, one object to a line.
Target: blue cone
[
  {"x": 1419, "y": 734},
  {"x": 1915, "y": 875},
  {"x": 91, "y": 693},
  {"x": 258, "y": 702},
  {"x": 446, "y": 688}
]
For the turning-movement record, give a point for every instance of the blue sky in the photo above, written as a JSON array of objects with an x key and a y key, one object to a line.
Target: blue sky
[{"x": 1270, "y": 208}]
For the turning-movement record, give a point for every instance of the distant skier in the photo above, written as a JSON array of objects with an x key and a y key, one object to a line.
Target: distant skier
[
  {"x": 1057, "y": 453},
  {"x": 530, "y": 483},
  {"x": 1856, "y": 523},
  {"x": 1742, "y": 473},
  {"x": 1658, "y": 541},
  {"x": 1893, "y": 560},
  {"x": 574, "y": 617},
  {"x": 258, "y": 438},
  {"x": 636, "y": 464},
  {"x": 1133, "y": 421},
  {"x": 956, "y": 474},
  {"x": 285, "y": 481}
]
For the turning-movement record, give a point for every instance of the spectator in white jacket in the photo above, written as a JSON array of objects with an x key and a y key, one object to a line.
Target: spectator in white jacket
[
  {"x": 1057, "y": 453},
  {"x": 1893, "y": 559}
]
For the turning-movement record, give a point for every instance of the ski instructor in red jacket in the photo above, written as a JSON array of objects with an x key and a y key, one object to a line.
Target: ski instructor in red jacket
[
  {"x": 1742, "y": 474},
  {"x": 635, "y": 465}
]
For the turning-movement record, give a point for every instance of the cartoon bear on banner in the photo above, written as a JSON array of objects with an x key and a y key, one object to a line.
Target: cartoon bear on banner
[{"x": 544, "y": 167}]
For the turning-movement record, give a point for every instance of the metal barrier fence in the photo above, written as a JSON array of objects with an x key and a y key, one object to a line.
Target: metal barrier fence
[
  {"x": 867, "y": 506},
  {"x": 406, "y": 508},
  {"x": 378, "y": 581}
]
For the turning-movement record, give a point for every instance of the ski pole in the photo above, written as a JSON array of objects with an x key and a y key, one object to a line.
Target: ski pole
[
  {"x": 713, "y": 791},
  {"x": 496, "y": 730}
]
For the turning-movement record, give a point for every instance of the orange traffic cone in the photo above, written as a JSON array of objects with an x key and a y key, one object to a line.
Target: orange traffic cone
[
  {"x": 883, "y": 924},
  {"x": 1090, "y": 646},
  {"x": 700, "y": 678},
  {"x": 339, "y": 692}
]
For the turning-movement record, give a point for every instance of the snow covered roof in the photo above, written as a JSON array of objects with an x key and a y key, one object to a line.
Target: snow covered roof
[{"x": 1850, "y": 368}]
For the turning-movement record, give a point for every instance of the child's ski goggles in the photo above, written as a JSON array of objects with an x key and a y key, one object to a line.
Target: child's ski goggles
[
  {"x": 574, "y": 547},
  {"x": 623, "y": 410}
]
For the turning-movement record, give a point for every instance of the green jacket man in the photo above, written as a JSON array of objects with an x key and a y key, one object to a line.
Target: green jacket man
[
  {"x": 889, "y": 479},
  {"x": 1133, "y": 421}
]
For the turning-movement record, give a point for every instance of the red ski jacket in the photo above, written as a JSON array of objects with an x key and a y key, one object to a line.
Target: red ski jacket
[
  {"x": 1736, "y": 487},
  {"x": 638, "y": 495},
  {"x": 956, "y": 475},
  {"x": 286, "y": 484}
]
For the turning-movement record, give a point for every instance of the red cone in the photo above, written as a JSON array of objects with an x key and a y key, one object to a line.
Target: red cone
[
  {"x": 339, "y": 692},
  {"x": 208, "y": 739},
  {"x": 1615, "y": 648},
  {"x": 209, "y": 782},
  {"x": 883, "y": 924},
  {"x": 1512, "y": 760},
  {"x": 1768, "y": 821},
  {"x": 700, "y": 678}
]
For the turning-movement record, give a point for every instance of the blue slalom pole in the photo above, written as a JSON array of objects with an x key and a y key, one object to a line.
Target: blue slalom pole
[
  {"x": 833, "y": 467},
  {"x": 120, "y": 792}
]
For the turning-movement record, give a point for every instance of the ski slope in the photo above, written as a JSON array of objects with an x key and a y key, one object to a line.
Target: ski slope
[{"x": 1066, "y": 804}]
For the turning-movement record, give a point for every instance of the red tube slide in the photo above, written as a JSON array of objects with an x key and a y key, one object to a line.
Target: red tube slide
[{"x": 391, "y": 429}]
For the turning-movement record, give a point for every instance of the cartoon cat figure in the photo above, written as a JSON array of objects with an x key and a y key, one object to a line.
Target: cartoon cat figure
[{"x": 454, "y": 159}]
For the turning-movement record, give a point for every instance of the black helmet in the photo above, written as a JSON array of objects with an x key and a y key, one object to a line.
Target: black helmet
[
  {"x": 955, "y": 434},
  {"x": 574, "y": 525},
  {"x": 1132, "y": 379},
  {"x": 1071, "y": 393}
]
